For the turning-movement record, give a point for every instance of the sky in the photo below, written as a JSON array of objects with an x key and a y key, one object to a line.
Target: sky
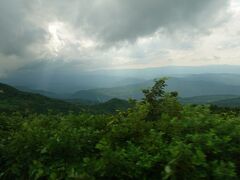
[{"x": 113, "y": 34}]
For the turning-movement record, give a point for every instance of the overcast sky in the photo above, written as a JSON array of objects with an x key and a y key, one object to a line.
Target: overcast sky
[{"x": 96, "y": 34}]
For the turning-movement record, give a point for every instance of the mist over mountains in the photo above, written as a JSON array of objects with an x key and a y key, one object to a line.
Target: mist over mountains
[
  {"x": 188, "y": 86},
  {"x": 103, "y": 85},
  {"x": 68, "y": 81}
]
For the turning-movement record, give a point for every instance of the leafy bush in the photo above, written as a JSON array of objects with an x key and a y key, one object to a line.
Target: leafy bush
[{"x": 175, "y": 142}]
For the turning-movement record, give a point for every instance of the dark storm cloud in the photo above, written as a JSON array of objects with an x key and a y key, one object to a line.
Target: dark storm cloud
[
  {"x": 23, "y": 23},
  {"x": 129, "y": 19},
  {"x": 119, "y": 20},
  {"x": 109, "y": 20},
  {"x": 16, "y": 32}
]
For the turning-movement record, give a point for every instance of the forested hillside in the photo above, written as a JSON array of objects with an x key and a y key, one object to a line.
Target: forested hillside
[
  {"x": 156, "y": 138},
  {"x": 12, "y": 100}
]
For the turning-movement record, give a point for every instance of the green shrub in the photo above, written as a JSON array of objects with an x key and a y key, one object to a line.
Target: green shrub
[{"x": 178, "y": 142}]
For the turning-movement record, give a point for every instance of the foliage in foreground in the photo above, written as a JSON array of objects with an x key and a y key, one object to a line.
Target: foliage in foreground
[{"x": 156, "y": 139}]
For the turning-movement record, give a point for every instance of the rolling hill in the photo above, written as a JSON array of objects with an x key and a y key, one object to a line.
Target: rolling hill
[
  {"x": 210, "y": 99},
  {"x": 13, "y": 100},
  {"x": 232, "y": 103},
  {"x": 185, "y": 86}
]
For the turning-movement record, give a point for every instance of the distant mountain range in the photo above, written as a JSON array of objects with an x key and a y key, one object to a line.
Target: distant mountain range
[
  {"x": 13, "y": 100},
  {"x": 63, "y": 81},
  {"x": 196, "y": 85},
  {"x": 233, "y": 103},
  {"x": 188, "y": 86}
]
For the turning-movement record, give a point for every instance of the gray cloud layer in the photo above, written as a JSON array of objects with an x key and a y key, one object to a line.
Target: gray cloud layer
[
  {"x": 23, "y": 23},
  {"x": 117, "y": 20},
  {"x": 16, "y": 32},
  {"x": 129, "y": 19}
]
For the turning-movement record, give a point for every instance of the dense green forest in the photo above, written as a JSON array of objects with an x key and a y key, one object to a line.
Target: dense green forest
[
  {"x": 155, "y": 138},
  {"x": 13, "y": 100}
]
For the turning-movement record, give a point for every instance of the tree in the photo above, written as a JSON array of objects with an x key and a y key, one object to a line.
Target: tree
[{"x": 161, "y": 102}]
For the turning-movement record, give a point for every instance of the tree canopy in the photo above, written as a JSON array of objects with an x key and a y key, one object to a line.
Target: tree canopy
[{"x": 157, "y": 138}]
